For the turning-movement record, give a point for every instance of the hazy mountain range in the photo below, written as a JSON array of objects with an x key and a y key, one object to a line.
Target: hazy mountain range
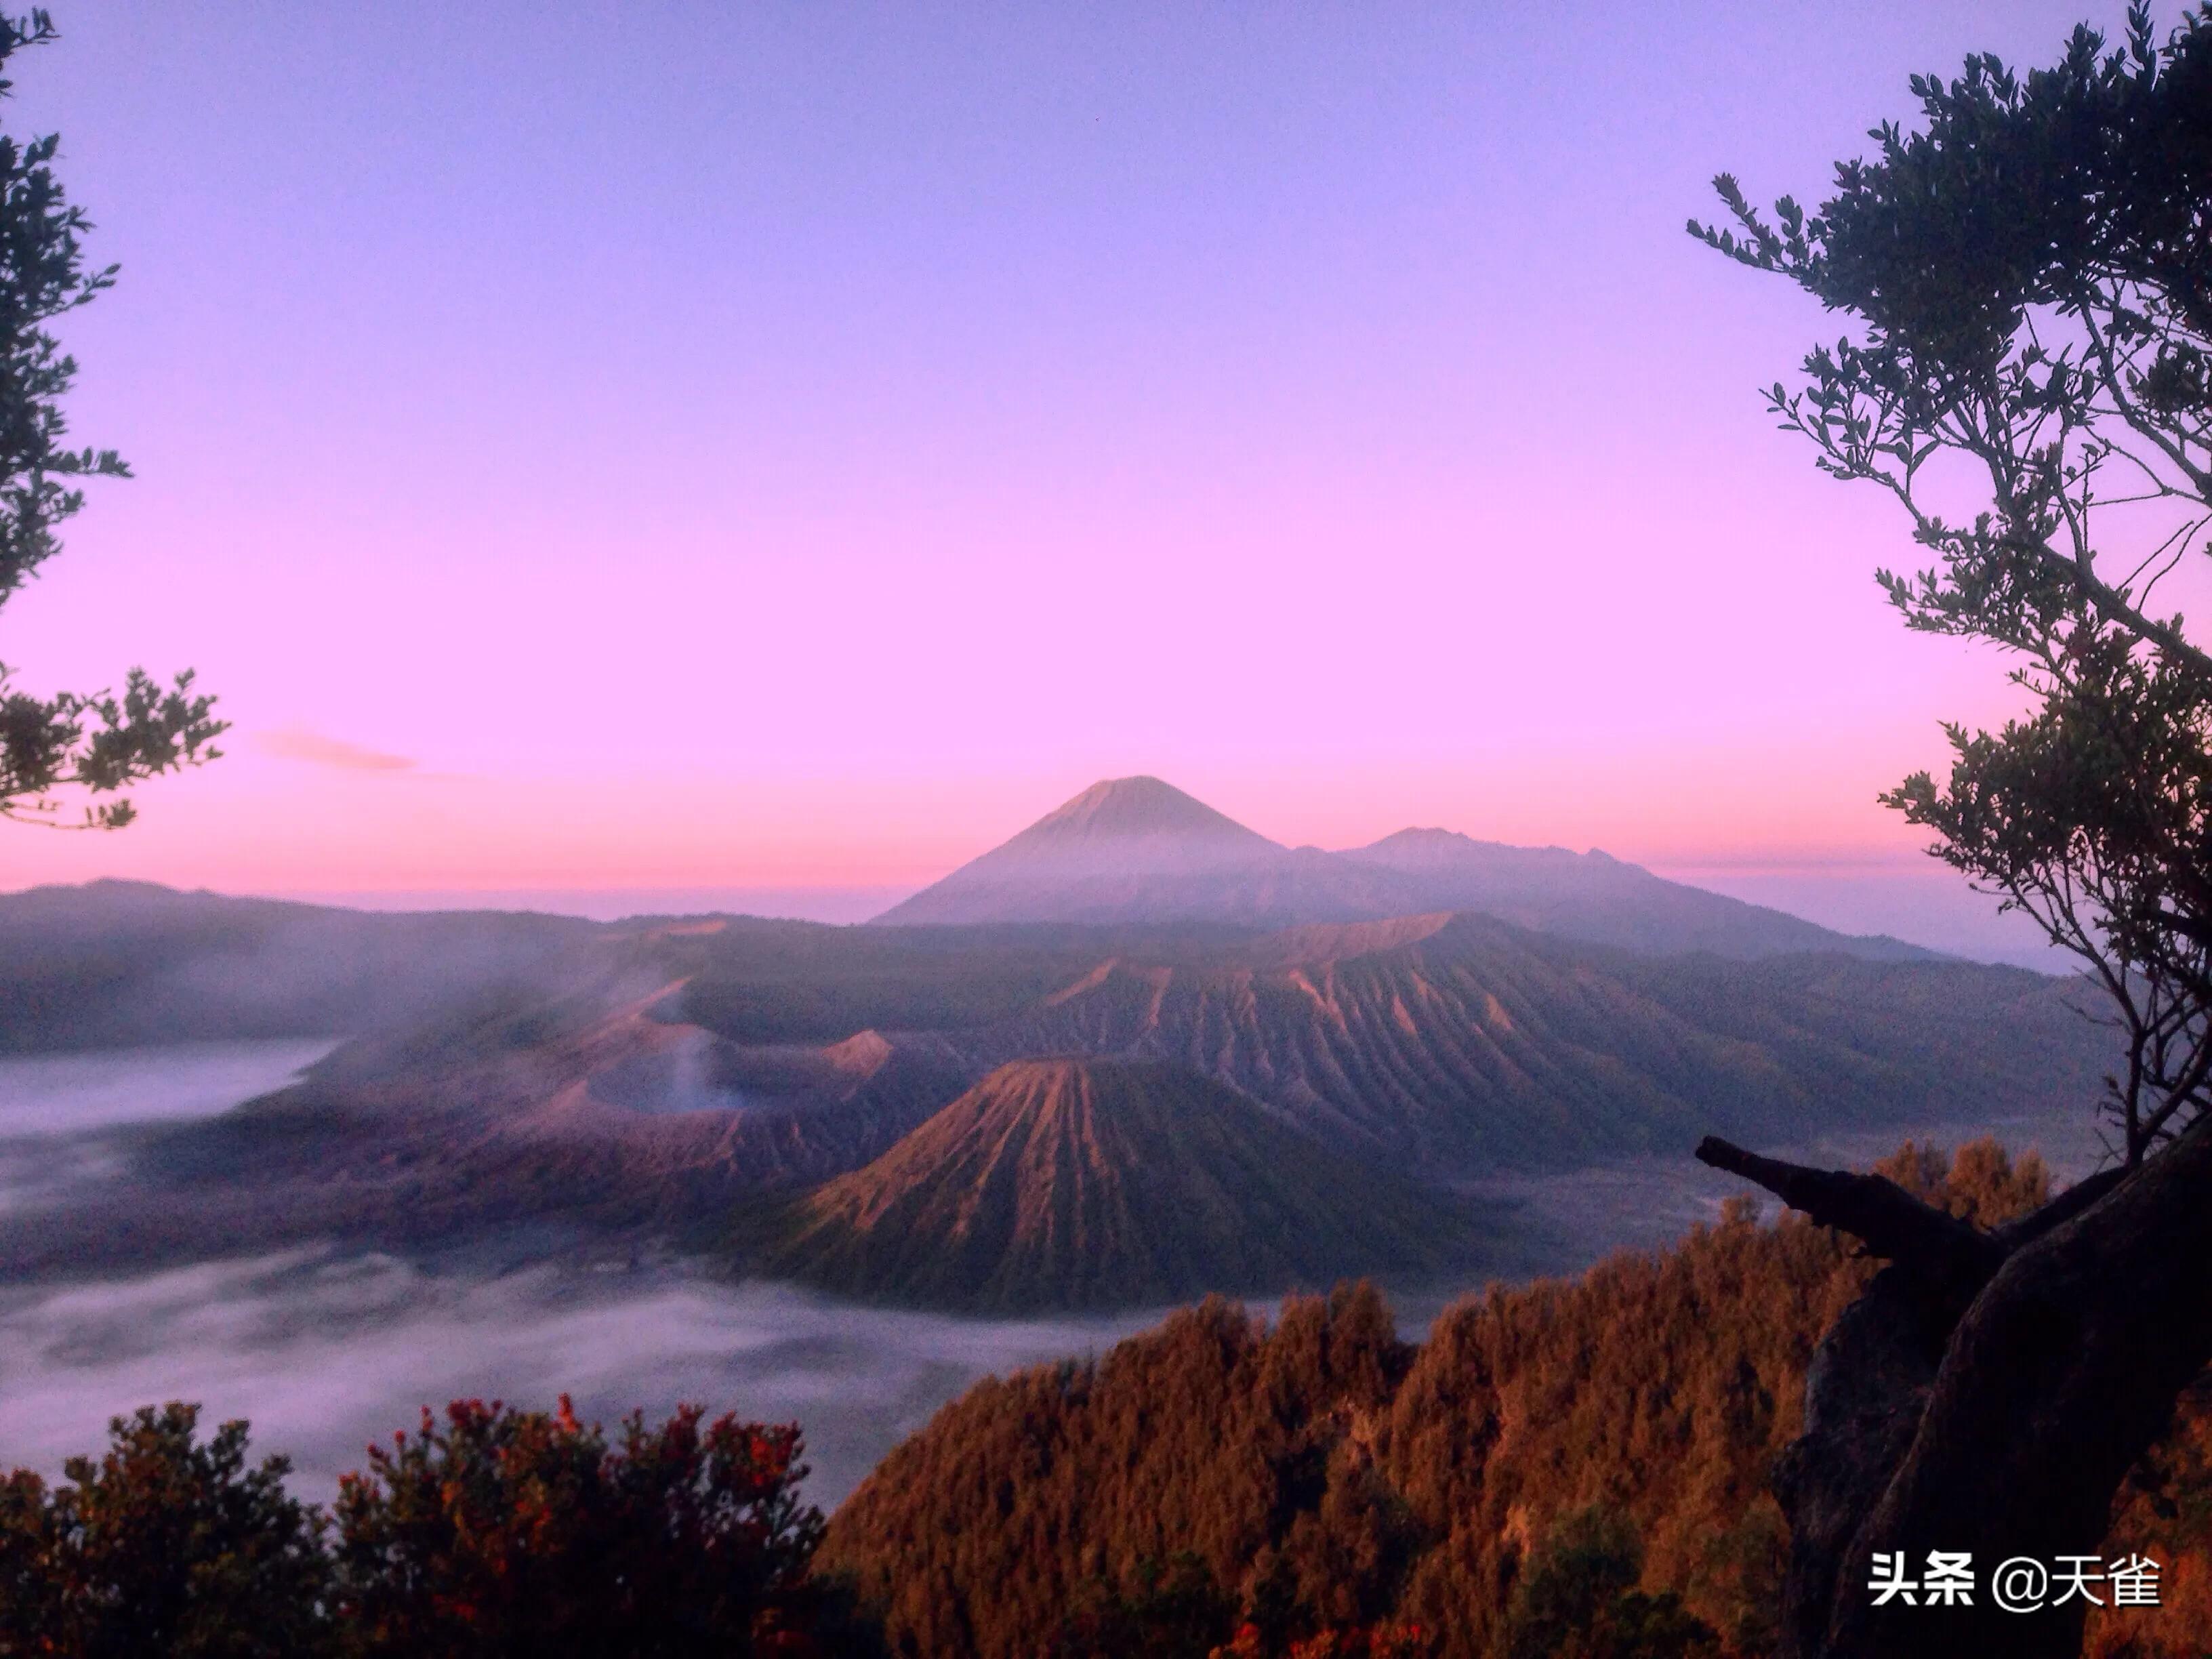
[
  {"x": 1137, "y": 849},
  {"x": 113, "y": 964},
  {"x": 1172, "y": 1093}
]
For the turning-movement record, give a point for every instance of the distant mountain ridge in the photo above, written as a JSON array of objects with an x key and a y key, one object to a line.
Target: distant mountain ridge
[
  {"x": 671, "y": 1078},
  {"x": 1139, "y": 850},
  {"x": 1463, "y": 1041},
  {"x": 119, "y": 964},
  {"x": 1141, "y": 1052}
]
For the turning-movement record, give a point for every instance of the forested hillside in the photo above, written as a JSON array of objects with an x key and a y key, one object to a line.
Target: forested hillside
[
  {"x": 1571, "y": 1470},
  {"x": 1573, "y": 1467}
]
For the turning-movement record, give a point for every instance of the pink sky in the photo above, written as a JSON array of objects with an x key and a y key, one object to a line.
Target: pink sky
[{"x": 751, "y": 449}]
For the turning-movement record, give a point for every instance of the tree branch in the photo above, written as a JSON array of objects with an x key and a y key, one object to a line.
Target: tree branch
[{"x": 1891, "y": 1223}]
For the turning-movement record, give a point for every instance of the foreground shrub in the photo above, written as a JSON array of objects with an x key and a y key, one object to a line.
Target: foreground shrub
[
  {"x": 1377, "y": 1642},
  {"x": 1172, "y": 1612},
  {"x": 165, "y": 1546},
  {"x": 492, "y": 1534},
  {"x": 524, "y": 1532}
]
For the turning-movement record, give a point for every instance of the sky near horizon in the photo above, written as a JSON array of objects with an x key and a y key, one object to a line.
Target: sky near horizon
[{"x": 725, "y": 448}]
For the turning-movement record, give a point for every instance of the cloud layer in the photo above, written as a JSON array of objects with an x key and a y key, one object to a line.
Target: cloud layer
[{"x": 325, "y": 1352}]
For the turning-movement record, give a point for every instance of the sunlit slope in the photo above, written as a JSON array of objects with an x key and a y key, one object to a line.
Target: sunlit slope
[
  {"x": 1090, "y": 1184},
  {"x": 1463, "y": 1038}
]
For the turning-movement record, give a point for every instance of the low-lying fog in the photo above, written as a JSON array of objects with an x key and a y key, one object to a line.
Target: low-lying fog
[{"x": 326, "y": 1350}]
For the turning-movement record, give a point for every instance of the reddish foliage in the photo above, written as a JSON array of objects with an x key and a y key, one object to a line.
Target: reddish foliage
[
  {"x": 492, "y": 1533},
  {"x": 1372, "y": 1642},
  {"x": 168, "y": 1545},
  {"x": 505, "y": 1531}
]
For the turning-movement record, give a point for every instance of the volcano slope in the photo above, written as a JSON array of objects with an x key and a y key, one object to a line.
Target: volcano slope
[
  {"x": 1463, "y": 1043},
  {"x": 1081, "y": 1183},
  {"x": 598, "y": 1111},
  {"x": 679, "y": 1072}
]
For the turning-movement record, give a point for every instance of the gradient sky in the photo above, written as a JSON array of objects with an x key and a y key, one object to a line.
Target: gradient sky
[{"x": 727, "y": 447}]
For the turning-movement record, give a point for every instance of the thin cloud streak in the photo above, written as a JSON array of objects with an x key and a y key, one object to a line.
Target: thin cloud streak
[{"x": 298, "y": 743}]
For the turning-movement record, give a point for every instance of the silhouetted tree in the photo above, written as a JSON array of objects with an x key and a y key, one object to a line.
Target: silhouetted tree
[
  {"x": 502, "y": 1532},
  {"x": 495, "y": 1532},
  {"x": 166, "y": 1548},
  {"x": 96, "y": 743},
  {"x": 2027, "y": 370}
]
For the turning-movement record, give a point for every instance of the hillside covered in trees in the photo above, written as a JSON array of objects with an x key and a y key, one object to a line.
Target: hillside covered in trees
[{"x": 1571, "y": 1468}]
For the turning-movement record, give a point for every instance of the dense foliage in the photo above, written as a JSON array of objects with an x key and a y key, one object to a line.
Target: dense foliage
[
  {"x": 494, "y": 1533},
  {"x": 167, "y": 1545},
  {"x": 2027, "y": 368},
  {"x": 92, "y": 744},
  {"x": 1569, "y": 1468}
]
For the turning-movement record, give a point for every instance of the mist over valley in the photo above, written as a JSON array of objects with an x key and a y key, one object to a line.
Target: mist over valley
[
  {"x": 386, "y": 1161},
  {"x": 327, "y": 1346}
]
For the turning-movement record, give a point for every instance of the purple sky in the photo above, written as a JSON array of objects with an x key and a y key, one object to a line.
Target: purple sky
[{"x": 725, "y": 447}]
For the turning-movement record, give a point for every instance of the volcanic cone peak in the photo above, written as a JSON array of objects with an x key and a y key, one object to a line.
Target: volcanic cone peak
[
  {"x": 1128, "y": 825},
  {"x": 1076, "y": 1182},
  {"x": 1125, "y": 849},
  {"x": 1138, "y": 806},
  {"x": 1136, "y": 850}
]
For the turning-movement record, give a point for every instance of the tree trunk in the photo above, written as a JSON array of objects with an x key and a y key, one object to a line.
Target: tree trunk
[{"x": 1988, "y": 1394}]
